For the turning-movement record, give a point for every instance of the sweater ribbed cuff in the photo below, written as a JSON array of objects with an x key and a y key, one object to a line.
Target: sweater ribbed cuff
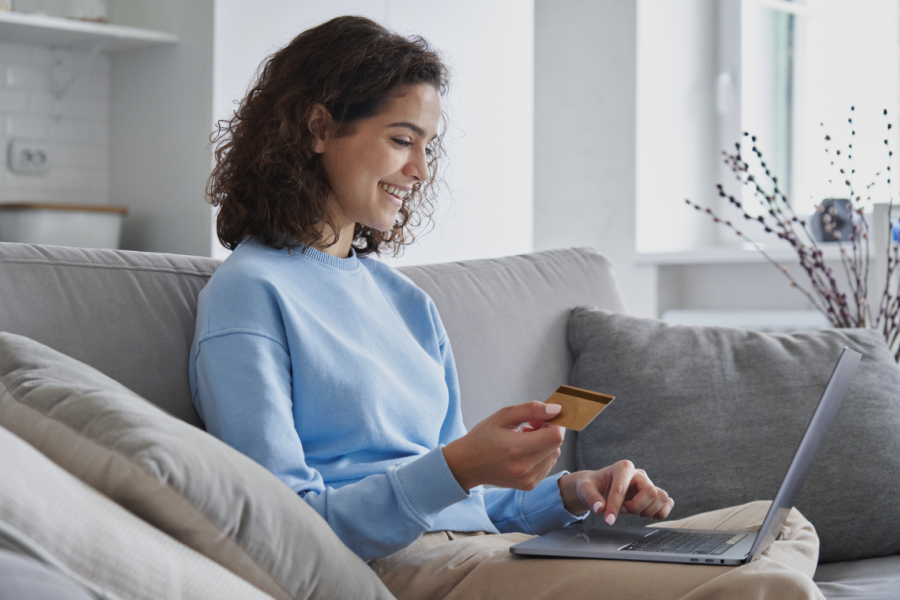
[
  {"x": 543, "y": 507},
  {"x": 426, "y": 486}
]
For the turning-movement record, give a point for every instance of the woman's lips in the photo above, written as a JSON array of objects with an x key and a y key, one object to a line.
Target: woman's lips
[{"x": 393, "y": 192}]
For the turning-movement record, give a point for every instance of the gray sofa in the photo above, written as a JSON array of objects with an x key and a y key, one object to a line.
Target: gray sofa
[{"x": 131, "y": 316}]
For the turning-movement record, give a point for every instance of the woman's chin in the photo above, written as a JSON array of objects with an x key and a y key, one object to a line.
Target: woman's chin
[
  {"x": 387, "y": 225},
  {"x": 384, "y": 227}
]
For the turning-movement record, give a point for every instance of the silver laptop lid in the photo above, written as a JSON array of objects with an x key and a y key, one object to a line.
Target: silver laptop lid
[{"x": 803, "y": 459}]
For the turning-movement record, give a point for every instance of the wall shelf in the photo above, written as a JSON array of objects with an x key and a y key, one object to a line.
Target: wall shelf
[
  {"x": 56, "y": 31},
  {"x": 739, "y": 254}
]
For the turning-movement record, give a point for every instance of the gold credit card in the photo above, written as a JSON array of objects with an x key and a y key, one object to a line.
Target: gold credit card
[{"x": 579, "y": 407}]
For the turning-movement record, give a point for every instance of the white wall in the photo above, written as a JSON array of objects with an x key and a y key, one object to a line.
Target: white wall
[
  {"x": 161, "y": 109},
  {"x": 677, "y": 124},
  {"x": 77, "y": 141},
  {"x": 585, "y": 136},
  {"x": 490, "y": 47},
  {"x": 754, "y": 286}
]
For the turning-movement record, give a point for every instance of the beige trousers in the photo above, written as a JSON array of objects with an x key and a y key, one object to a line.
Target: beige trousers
[{"x": 468, "y": 566}]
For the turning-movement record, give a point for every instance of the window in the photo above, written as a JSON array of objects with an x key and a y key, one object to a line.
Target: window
[{"x": 803, "y": 65}]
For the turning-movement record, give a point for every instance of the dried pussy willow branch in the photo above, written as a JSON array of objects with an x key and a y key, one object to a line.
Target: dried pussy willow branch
[{"x": 824, "y": 291}]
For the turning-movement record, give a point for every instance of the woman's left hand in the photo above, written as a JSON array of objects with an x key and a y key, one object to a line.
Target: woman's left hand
[{"x": 618, "y": 487}]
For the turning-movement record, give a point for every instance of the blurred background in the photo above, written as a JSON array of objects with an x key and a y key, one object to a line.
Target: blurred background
[{"x": 572, "y": 123}]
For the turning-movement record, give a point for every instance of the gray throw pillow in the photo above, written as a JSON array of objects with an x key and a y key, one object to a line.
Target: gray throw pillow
[
  {"x": 714, "y": 415},
  {"x": 175, "y": 476}
]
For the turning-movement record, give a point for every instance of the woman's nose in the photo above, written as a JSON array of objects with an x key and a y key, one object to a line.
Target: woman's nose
[{"x": 417, "y": 167}]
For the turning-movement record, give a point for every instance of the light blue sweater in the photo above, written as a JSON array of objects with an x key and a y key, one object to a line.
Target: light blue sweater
[{"x": 337, "y": 376}]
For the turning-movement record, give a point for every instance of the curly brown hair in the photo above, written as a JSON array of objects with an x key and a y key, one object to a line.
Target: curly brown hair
[{"x": 269, "y": 182}]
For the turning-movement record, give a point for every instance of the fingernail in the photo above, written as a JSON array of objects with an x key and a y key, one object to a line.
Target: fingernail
[
  {"x": 610, "y": 519},
  {"x": 598, "y": 506},
  {"x": 553, "y": 409}
]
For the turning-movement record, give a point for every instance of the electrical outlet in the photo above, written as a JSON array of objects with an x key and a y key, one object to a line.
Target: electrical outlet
[{"x": 28, "y": 157}]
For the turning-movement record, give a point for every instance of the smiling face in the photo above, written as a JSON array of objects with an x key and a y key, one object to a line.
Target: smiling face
[{"x": 372, "y": 170}]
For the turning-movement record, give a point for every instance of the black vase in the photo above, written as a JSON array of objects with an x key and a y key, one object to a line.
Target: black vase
[{"x": 833, "y": 215}]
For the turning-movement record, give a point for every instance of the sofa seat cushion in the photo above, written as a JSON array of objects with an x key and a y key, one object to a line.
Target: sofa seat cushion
[
  {"x": 714, "y": 415},
  {"x": 869, "y": 578},
  {"x": 175, "y": 476}
]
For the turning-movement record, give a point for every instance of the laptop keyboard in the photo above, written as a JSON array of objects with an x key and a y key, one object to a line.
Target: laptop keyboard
[{"x": 684, "y": 542}]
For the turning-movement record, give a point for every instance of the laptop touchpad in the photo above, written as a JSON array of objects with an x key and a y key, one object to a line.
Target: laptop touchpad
[{"x": 607, "y": 536}]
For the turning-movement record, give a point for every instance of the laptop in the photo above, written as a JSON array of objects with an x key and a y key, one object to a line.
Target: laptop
[{"x": 698, "y": 546}]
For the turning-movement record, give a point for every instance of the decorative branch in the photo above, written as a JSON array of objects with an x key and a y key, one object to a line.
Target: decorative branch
[{"x": 778, "y": 218}]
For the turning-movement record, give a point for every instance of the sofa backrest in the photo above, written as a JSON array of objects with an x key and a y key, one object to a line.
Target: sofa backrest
[
  {"x": 506, "y": 319},
  {"x": 131, "y": 315},
  {"x": 128, "y": 314}
]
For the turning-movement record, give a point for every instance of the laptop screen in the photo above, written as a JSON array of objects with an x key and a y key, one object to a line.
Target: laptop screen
[{"x": 806, "y": 452}]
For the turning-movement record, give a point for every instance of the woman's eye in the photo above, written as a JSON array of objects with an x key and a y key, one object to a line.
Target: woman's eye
[
  {"x": 429, "y": 151},
  {"x": 402, "y": 142}
]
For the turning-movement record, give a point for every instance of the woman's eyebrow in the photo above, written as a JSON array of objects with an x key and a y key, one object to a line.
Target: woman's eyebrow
[{"x": 415, "y": 128}]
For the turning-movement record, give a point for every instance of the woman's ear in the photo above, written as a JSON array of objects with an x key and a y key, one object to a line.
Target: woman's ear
[{"x": 318, "y": 122}]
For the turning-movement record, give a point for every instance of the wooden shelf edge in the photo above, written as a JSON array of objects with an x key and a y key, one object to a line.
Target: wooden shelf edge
[
  {"x": 65, "y": 207},
  {"x": 57, "y": 31}
]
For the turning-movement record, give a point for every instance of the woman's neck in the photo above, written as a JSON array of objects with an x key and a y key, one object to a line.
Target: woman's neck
[{"x": 342, "y": 248}]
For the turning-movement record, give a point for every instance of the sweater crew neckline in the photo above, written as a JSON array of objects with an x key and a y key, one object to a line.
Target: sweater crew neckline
[{"x": 351, "y": 263}]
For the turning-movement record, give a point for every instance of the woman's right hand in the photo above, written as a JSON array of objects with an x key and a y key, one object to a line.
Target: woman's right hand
[{"x": 495, "y": 453}]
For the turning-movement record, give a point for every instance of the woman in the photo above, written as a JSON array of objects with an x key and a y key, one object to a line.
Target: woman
[{"x": 334, "y": 371}]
